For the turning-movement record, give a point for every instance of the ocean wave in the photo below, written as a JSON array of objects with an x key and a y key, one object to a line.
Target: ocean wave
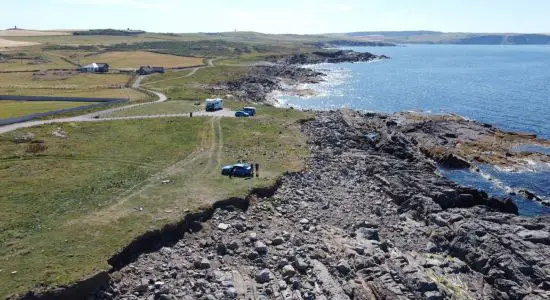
[{"x": 335, "y": 78}]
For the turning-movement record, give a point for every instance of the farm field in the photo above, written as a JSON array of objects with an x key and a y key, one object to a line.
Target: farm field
[
  {"x": 135, "y": 59},
  {"x": 4, "y": 43},
  {"x": 47, "y": 61},
  {"x": 26, "y": 32},
  {"x": 75, "y": 40},
  {"x": 59, "y": 223},
  {"x": 10, "y": 109},
  {"x": 69, "y": 84},
  {"x": 71, "y": 80}
]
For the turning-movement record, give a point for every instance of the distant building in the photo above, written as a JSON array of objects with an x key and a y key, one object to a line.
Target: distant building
[
  {"x": 95, "y": 68},
  {"x": 146, "y": 70}
]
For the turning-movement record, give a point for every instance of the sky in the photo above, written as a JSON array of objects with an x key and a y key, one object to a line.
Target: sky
[{"x": 280, "y": 16}]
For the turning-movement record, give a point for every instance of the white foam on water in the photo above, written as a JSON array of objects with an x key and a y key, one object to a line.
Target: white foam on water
[
  {"x": 497, "y": 183},
  {"x": 331, "y": 85}
]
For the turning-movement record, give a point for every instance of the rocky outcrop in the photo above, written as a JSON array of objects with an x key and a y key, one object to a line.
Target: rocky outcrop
[
  {"x": 456, "y": 142},
  {"x": 318, "y": 57},
  {"x": 285, "y": 73},
  {"x": 256, "y": 85},
  {"x": 368, "y": 219}
]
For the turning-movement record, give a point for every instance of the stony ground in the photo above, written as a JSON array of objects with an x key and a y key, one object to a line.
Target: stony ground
[{"x": 368, "y": 219}]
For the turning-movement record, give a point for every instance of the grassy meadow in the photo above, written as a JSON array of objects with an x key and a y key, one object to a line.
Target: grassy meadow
[
  {"x": 70, "y": 203},
  {"x": 179, "y": 86},
  {"x": 10, "y": 109},
  {"x": 168, "y": 107}
]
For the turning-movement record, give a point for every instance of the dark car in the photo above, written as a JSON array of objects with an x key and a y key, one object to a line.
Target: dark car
[
  {"x": 241, "y": 114},
  {"x": 251, "y": 111},
  {"x": 238, "y": 170}
]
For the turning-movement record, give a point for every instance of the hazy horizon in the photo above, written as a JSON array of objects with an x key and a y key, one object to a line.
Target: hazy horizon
[
  {"x": 284, "y": 16},
  {"x": 282, "y": 33}
]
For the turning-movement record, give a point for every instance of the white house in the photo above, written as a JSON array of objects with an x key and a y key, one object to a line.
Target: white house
[{"x": 95, "y": 68}]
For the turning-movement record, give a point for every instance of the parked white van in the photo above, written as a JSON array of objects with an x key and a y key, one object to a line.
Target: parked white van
[{"x": 214, "y": 104}]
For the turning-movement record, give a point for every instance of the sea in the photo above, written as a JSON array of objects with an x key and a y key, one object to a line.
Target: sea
[{"x": 508, "y": 86}]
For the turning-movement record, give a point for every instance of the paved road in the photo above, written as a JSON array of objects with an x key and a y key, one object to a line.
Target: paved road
[
  {"x": 221, "y": 113},
  {"x": 98, "y": 116}
]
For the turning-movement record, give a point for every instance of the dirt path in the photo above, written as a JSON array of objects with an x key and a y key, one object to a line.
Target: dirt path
[
  {"x": 201, "y": 161},
  {"x": 97, "y": 116}
]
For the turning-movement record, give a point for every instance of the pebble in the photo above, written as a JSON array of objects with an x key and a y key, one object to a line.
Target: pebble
[
  {"x": 263, "y": 276},
  {"x": 223, "y": 226}
]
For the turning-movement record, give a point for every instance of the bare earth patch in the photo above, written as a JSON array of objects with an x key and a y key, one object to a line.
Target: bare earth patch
[{"x": 12, "y": 44}]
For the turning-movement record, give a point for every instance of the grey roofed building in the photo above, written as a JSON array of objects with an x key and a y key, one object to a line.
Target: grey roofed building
[
  {"x": 95, "y": 68},
  {"x": 145, "y": 70}
]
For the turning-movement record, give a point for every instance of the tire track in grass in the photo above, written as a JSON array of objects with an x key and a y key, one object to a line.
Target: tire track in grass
[
  {"x": 115, "y": 210},
  {"x": 93, "y": 159}
]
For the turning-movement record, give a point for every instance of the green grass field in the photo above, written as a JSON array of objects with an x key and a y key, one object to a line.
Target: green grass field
[
  {"x": 168, "y": 107},
  {"x": 128, "y": 93},
  {"x": 69, "y": 204},
  {"x": 178, "y": 87},
  {"x": 202, "y": 76},
  {"x": 10, "y": 109}
]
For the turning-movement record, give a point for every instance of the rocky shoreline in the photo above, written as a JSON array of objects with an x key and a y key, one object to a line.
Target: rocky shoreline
[
  {"x": 368, "y": 219},
  {"x": 280, "y": 72}
]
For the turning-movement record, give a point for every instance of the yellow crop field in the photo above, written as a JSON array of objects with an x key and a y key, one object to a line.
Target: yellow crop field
[
  {"x": 12, "y": 44},
  {"x": 61, "y": 80}
]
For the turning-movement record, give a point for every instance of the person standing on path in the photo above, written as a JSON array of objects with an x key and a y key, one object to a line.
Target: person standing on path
[{"x": 257, "y": 165}]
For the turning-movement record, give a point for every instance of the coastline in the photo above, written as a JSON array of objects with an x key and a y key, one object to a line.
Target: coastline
[
  {"x": 478, "y": 151},
  {"x": 343, "y": 228}
]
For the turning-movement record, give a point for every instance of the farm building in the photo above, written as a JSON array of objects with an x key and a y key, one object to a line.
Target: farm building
[
  {"x": 145, "y": 70},
  {"x": 95, "y": 68}
]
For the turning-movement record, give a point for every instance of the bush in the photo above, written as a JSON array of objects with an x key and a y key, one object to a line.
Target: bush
[{"x": 36, "y": 147}]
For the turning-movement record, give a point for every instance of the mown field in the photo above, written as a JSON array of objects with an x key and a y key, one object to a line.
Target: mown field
[
  {"x": 10, "y": 109},
  {"x": 135, "y": 59},
  {"x": 69, "y": 84},
  {"x": 69, "y": 204}
]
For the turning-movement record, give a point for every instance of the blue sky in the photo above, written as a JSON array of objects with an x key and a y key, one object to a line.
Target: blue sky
[{"x": 280, "y": 16}]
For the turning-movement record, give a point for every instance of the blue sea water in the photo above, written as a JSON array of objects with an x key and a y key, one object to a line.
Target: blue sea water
[{"x": 508, "y": 86}]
